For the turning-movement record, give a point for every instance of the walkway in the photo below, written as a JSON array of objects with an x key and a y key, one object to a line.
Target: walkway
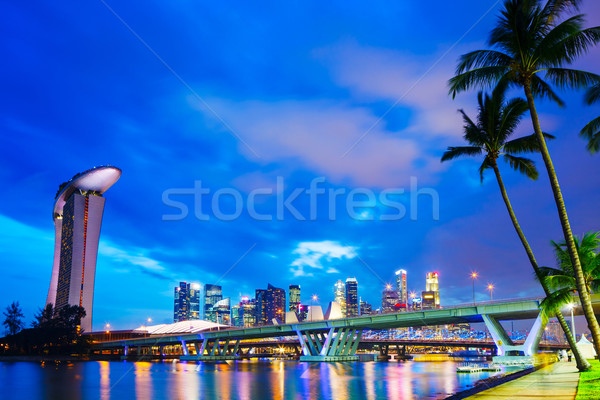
[{"x": 556, "y": 381}]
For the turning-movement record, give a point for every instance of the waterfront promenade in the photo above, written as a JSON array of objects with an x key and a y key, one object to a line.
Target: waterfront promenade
[{"x": 555, "y": 381}]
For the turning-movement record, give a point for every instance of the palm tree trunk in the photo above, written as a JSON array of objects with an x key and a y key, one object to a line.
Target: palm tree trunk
[
  {"x": 582, "y": 363},
  {"x": 584, "y": 295}
]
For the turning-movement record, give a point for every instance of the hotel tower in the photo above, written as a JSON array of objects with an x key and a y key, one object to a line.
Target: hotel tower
[{"x": 77, "y": 218}]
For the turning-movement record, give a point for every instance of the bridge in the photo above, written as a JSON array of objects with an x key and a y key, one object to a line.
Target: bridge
[{"x": 339, "y": 339}]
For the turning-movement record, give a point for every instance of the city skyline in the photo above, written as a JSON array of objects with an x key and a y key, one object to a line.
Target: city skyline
[{"x": 300, "y": 99}]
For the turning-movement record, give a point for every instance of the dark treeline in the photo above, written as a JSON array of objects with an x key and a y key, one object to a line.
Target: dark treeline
[{"x": 52, "y": 333}]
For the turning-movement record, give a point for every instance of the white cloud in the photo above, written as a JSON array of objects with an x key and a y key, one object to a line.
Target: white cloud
[{"x": 312, "y": 255}]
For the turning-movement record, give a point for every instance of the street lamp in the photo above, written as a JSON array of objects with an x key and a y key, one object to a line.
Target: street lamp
[
  {"x": 491, "y": 289},
  {"x": 571, "y": 307},
  {"x": 474, "y": 276},
  {"x": 107, "y": 327}
]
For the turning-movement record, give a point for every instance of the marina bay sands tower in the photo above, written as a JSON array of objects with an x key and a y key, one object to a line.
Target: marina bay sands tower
[{"x": 77, "y": 215}]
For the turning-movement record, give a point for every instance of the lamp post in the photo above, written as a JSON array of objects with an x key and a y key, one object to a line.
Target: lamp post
[
  {"x": 312, "y": 303},
  {"x": 474, "y": 276},
  {"x": 107, "y": 327},
  {"x": 571, "y": 307},
  {"x": 491, "y": 289}
]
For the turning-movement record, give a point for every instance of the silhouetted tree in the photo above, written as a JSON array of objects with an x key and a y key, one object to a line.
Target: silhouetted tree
[{"x": 14, "y": 318}]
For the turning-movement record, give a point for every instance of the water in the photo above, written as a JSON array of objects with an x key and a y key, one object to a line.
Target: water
[{"x": 231, "y": 380}]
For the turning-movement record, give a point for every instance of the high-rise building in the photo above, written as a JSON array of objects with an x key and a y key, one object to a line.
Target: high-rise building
[
  {"x": 432, "y": 285},
  {"x": 77, "y": 215},
  {"x": 302, "y": 312},
  {"x": 389, "y": 300},
  {"x": 236, "y": 312},
  {"x": 294, "y": 293},
  {"x": 222, "y": 311},
  {"x": 365, "y": 308},
  {"x": 212, "y": 295},
  {"x": 194, "y": 291},
  {"x": 351, "y": 297},
  {"x": 428, "y": 300},
  {"x": 248, "y": 312},
  {"x": 401, "y": 287},
  {"x": 275, "y": 304},
  {"x": 339, "y": 295},
  {"x": 261, "y": 307},
  {"x": 187, "y": 302}
]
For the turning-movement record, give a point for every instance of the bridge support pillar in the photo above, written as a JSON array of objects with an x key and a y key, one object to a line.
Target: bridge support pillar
[
  {"x": 216, "y": 351},
  {"x": 335, "y": 344},
  {"x": 509, "y": 352}
]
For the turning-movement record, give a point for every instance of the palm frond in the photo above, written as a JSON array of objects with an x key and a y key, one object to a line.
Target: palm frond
[
  {"x": 459, "y": 151},
  {"x": 571, "y": 78},
  {"x": 542, "y": 90},
  {"x": 565, "y": 51},
  {"x": 482, "y": 58},
  {"x": 511, "y": 115},
  {"x": 592, "y": 133},
  {"x": 555, "y": 301},
  {"x": 482, "y": 77},
  {"x": 525, "y": 144},
  {"x": 593, "y": 94},
  {"x": 486, "y": 164},
  {"x": 523, "y": 165}
]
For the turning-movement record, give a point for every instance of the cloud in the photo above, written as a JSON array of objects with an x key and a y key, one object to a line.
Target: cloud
[
  {"x": 314, "y": 254},
  {"x": 137, "y": 257}
]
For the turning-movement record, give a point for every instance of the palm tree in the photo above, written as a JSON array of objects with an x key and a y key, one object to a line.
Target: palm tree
[
  {"x": 561, "y": 280},
  {"x": 592, "y": 130},
  {"x": 496, "y": 122},
  {"x": 531, "y": 42}
]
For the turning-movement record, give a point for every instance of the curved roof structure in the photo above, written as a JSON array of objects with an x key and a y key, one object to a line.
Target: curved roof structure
[
  {"x": 192, "y": 326},
  {"x": 97, "y": 179}
]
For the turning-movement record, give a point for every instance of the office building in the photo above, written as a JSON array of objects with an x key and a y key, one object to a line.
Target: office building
[
  {"x": 221, "y": 311},
  {"x": 428, "y": 300},
  {"x": 389, "y": 300},
  {"x": 432, "y": 285},
  {"x": 236, "y": 312},
  {"x": 77, "y": 215},
  {"x": 187, "y": 302},
  {"x": 275, "y": 304},
  {"x": 261, "y": 307},
  {"x": 294, "y": 293},
  {"x": 365, "y": 308},
  {"x": 351, "y": 297},
  {"x": 401, "y": 287},
  {"x": 248, "y": 312},
  {"x": 302, "y": 312},
  {"x": 339, "y": 295},
  {"x": 212, "y": 295}
]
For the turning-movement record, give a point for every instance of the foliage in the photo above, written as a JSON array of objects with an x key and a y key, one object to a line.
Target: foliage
[
  {"x": 496, "y": 121},
  {"x": 561, "y": 280},
  {"x": 592, "y": 130},
  {"x": 14, "y": 318},
  {"x": 589, "y": 383}
]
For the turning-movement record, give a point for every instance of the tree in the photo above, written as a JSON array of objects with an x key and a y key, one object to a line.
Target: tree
[
  {"x": 592, "y": 130},
  {"x": 531, "y": 42},
  {"x": 14, "y": 318},
  {"x": 561, "y": 280},
  {"x": 496, "y": 121}
]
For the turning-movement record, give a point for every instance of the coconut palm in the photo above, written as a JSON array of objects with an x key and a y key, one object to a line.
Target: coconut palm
[
  {"x": 561, "y": 280},
  {"x": 531, "y": 44},
  {"x": 489, "y": 137},
  {"x": 592, "y": 130}
]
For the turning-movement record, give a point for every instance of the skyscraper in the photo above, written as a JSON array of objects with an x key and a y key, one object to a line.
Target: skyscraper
[
  {"x": 78, "y": 211},
  {"x": 401, "y": 287},
  {"x": 432, "y": 285},
  {"x": 275, "y": 304},
  {"x": 187, "y": 302},
  {"x": 221, "y": 311},
  {"x": 365, "y": 308},
  {"x": 261, "y": 306},
  {"x": 339, "y": 295},
  {"x": 294, "y": 292},
  {"x": 351, "y": 297},
  {"x": 389, "y": 299},
  {"x": 212, "y": 295}
]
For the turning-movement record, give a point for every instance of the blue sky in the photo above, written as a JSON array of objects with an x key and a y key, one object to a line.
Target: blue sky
[{"x": 240, "y": 95}]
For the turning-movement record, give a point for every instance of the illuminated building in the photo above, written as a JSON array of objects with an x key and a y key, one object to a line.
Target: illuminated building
[
  {"x": 187, "y": 302},
  {"x": 236, "y": 312},
  {"x": 194, "y": 291},
  {"x": 401, "y": 287},
  {"x": 248, "y": 312},
  {"x": 389, "y": 300},
  {"x": 275, "y": 304},
  {"x": 302, "y": 312},
  {"x": 212, "y": 295},
  {"x": 339, "y": 295},
  {"x": 294, "y": 292},
  {"x": 351, "y": 297},
  {"x": 222, "y": 311},
  {"x": 432, "y": 285},
  {"x": 365, "y": 308},
  {"x": 261, "y": 306},
  {"x": 77, "y": 215},
  {"x": 428, "y": 300}
]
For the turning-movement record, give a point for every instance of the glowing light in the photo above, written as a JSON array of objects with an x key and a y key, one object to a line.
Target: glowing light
[{"x": 474, "y": 275}]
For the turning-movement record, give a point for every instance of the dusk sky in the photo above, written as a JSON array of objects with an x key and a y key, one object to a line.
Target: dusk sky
[{"x": 243, "y": 96}]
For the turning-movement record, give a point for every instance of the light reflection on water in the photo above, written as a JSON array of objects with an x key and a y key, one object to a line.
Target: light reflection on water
[{"x": 273, "y": 379}]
